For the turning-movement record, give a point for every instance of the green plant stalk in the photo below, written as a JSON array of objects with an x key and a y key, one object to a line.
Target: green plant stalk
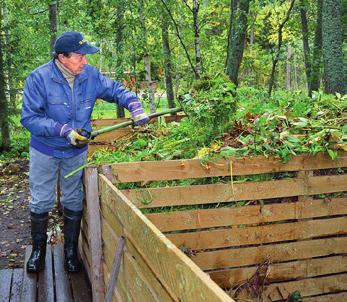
[
  {"x": 129, "y": 123},
  {"x": 79, "y": 169}
]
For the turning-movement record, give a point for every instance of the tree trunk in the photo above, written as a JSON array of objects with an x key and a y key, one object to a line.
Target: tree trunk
[
  {"x": 334, "y": 76},
  {"x": 146, "y": 58},
  {"x": 167, "y": 63},
  {"x": 53, "y": 21},
  {"x": 317, "y": 50},
  {"x": 279, "y": 45},
  {"x": 288, "y": 67},
  {"x": 236, "y": 37},
  {"x": 119, "y": 26},
  {"x": 307, "y": 56},
  {"x": 195, "y": 11},
  {"x": 4, "y": 114}
]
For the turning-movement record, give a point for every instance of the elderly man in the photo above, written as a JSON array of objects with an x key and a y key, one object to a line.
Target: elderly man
[{"x": 58, "y": 100}]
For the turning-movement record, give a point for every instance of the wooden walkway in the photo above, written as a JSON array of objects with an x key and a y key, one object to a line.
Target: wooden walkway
[{"x": 52, "y": 284}]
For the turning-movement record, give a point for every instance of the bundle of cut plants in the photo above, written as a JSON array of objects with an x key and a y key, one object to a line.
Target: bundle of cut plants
[{"x": 223, "y": 122}]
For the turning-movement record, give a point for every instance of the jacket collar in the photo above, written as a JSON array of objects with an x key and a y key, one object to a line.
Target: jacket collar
[{"x": 57, "y": 76}]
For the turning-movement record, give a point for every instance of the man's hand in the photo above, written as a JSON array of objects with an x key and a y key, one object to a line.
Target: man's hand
[
  {"x": 137, "y": 113},
  {"x": 73, "y": 136}
]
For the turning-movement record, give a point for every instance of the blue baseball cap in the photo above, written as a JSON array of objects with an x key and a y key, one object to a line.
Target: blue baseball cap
[{"x": 73, "y": 41}]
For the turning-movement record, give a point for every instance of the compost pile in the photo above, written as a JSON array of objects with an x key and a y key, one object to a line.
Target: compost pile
[{"x": 221, "y": 122}]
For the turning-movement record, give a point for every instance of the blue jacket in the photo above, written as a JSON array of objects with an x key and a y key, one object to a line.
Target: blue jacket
[{"x": 49, "y": 103}]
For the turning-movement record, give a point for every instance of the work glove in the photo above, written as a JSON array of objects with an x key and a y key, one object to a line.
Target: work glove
[
  {"x": 72, "y": 135},
  {"x": 137, "y": 113}
]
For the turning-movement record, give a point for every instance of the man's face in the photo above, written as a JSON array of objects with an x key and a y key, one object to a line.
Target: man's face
[{"x": 74, "y": 63}]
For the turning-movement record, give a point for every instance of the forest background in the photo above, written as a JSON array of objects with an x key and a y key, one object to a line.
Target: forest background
[{"x": 160, "y": 48}]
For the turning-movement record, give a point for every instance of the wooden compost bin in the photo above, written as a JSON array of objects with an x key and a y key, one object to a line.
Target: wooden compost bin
[{"x": 295, "y": 220}]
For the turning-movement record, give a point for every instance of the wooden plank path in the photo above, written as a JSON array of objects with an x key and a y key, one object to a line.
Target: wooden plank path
[{"x": 51, "y": 284}]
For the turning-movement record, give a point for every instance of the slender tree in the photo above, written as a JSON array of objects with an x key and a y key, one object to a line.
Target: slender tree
[
  {"x": 53, "y": 21},
  {"x": 146, "y": 56},
  {"x": 236, "y": 37},
  {"x": 317, "y": 50},
  {"x": 119, "y": 27},
  {"x": 167, "y": 61},
  {"x": 305, "y": 34},
  {"x": 279, "y": 45},
  {"x": 4, "y": 114},
  {"x": 334, "y": 76}
]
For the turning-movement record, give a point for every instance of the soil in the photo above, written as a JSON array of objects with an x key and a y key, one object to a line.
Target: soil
[{"x": 15, "y": 214}]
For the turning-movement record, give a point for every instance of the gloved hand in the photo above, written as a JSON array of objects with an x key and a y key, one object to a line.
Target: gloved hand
[
  {"x": 137, "y": 113},
  {"x": 73, "y": 136}
]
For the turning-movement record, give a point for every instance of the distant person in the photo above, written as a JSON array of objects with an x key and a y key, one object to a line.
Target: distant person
[{"x": 58, "y": 100}]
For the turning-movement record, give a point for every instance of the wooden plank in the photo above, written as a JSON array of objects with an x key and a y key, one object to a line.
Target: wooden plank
[
  {"x": 253, "y": 214},
  {"x": 236, "y": 257},
  {"x": 92, "y": 200},
  {"x": 45, "y": 279},
  {"x": 283, "y": 271},
  {"x": 193, "y": 168},
  {"x": 340, "y": 297},
  {"x": 5, "y": 284},
  {"x": 29, "y": 292},
  {"x": 221, "y": 193},
  {"x": 137, "y": 285},
  {"x": 120, "y": 293},
  {"x": 110, "y": 237},
  {"x": 307, "y": 287},
  {"x": 17, "y": 281},
  {"x": 239, "y": 236},
  {"x": 81, "y": 290},
  {"x": 62, "y": 283},
  {"x": 174, "y": 269}
]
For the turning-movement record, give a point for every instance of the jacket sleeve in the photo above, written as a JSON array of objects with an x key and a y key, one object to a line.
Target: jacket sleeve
[
  {"x": 113, "y": 91},
  {"x": 33, "y": 109}
]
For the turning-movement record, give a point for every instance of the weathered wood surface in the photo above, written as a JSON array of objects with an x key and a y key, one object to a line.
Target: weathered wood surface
[
  {"x": 111, "y": 230},
  {"x": 253, "y": 214},
  {"x": 94, "y": 233},
  {"x": 270, "y": 233},
  {"x": 236, "y": 257},
  {"x": 299, "y": 269},
  {"x": 51, "y": 284},
  {"x": 170, "y": 265},
  {"x": 221, "y": 193},
  {"x": 194, "y": 168}
]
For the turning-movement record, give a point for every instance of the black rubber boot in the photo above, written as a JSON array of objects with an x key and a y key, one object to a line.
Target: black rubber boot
[
  {"x": 36, "y": 261},
  {"x": 72, "y": 226}
]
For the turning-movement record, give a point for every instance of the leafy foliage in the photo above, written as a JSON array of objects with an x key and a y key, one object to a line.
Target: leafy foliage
[{"x": 284, "y": 125}]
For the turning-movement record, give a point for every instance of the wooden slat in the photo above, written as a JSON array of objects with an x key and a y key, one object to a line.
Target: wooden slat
[
  {"x": 81, "y": 290},
  {"x": 283, "y": 271},
  {"x": 239, "y": 236},
  {"x": 276, "y": 252},
  {"x": 220, "y": 193},
  {"x": 254, "y": 214},
  {"x": 340, "y": 297},
  {"x": 5, "y": 284},
  {"x": 62, "y": 283},
  {"x": 175, "y": 270},
  {"x": 94, "y": 238},
  {"x": 28, "y": 293},
  {"x": 307, "y": 287},
  {"x": 111, "y": 231},
  {"x": 193, "y": 168},
  {"x": 45, "y": 281},
  {"x": 17, "y": 281}
]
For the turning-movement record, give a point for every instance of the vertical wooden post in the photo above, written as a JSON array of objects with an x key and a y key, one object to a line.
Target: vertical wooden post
[
  {"x": 305, "y": 175},
  {"x": 94, "y": 234}
]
